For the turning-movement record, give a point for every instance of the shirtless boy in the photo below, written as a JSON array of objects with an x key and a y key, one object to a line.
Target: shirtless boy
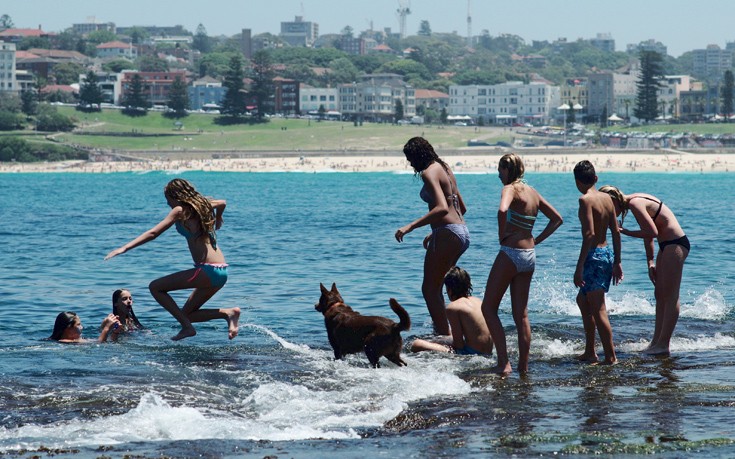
[
  {"x": 469, "y": 331},
  {"x": 597, "y": 264}
]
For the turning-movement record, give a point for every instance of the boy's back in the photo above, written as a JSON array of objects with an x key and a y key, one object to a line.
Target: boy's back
[
  {"x": 465, "y": 316},
  {"x": 597, "y": 213}
]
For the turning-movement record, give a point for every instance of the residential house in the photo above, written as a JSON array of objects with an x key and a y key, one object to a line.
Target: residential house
[
  {"x": 17, "y": 35},
  {"x": 429, "y": 98},
  {"x": 116, "y": 50},
  {"x": 156, "y": 84},
  {"x": 206, "y": 94}
]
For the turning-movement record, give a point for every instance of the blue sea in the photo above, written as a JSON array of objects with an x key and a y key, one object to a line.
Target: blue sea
[{"x": 276, "y": 391}]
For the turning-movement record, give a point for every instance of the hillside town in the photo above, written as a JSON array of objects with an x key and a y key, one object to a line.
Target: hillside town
[{"x": 371, "y": 76}]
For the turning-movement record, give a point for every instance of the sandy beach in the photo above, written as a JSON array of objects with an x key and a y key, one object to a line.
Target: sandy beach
[{"x": 460, "y": 160}]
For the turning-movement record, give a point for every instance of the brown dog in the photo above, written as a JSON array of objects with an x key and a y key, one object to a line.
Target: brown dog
[{"x": 349, "y": 332}]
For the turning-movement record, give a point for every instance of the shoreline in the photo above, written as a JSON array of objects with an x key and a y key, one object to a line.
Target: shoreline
[{"x": 461, "y": 161}]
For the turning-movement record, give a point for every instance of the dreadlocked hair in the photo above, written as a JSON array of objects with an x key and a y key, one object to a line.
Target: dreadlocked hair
[
  {"x": 420, "y": 152},
  {"x": 618, "y": 196},
  {"x": 193, "y": 203},
  {"x": 512, "y": 163}
]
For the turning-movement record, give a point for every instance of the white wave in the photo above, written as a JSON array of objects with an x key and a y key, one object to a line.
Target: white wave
[
  {"x": 710, "y": 305},
  {"x": 678, "y": 344}
]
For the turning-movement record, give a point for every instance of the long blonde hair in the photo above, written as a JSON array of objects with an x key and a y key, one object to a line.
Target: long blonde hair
[
  {"x": 193, "y": 203},
  {"x": 618, "y": 196}
]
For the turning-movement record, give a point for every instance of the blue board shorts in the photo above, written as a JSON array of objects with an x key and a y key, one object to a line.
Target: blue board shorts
[
  {"x": 467, "y": 350},
  {"x": 598, "y": 268}
]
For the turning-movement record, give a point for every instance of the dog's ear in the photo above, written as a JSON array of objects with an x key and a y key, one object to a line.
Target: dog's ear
[
  {"x": 323, "y": 288},
  {"x": 334, "y": 288}
]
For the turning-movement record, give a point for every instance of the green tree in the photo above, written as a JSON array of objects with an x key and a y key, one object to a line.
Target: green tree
[
  {"x": 90, "y": 94},
  {"x": 342, "y": 70},
  {"x": 135, "y": 100},
  {"x": 149, "y": 63},
  {"x": 425, "y": 29},
  {"x": 261, "y": 72},
  {"x": 100, "y": 36},
  {"x": 138, "y": 35},
  {"x": 68, "y": 73},
  {"x": 215, "y": 65},
  {"x": 10, "y": 102},
  {"x": 443, "y": 115},
  {"x": 10, "y": 121},
  {"x": 118, "y": 65},
  {"x": 50, "y": 120},
  {"x": 29, "y": 102},
  {"x": 347, "y": 31},
  {"x": 321, "y": 112},
  {"x": 178, "y": 98},
  {"x": 647, "y": 86},
  {"x": 201, "y": 41},
  {"x": 6, "y": 22},
  {"x": 728, "y": 92},
  {"x": 398, "y": 106},
  {"x": 233, "y": 102},
  {"x": 34, "y": 42}
]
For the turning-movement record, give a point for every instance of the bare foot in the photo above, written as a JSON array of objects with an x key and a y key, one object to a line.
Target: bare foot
[
  {"x": 184, "y": 333},
  {"x": 501, "y": 370},
  {"x": 589, "y": 358},
  {"x": 609, "y": 362},
  {"x": 233, "y": 316},
  {"x": 657, "y": 351}
]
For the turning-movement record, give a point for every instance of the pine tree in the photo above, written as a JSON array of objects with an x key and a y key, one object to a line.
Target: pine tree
[
  {"x": 233, "y": 102},
  {"x": 728, "y": 92},
  {"x": 90, "y": 94},
  {"x": 178, "y": 98},
  {"x": 135, "y": 99},
  {"x": 398, "y": 110},
  {"x": 646, "y": 104},
  {"x": 262, "y": 75}
]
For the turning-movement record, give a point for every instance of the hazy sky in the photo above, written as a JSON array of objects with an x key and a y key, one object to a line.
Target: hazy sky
[{"x": 682, "y": 25}]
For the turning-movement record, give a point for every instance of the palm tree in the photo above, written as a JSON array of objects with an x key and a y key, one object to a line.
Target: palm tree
[
  {"x": 662, "y": 104},
  {"x": 674, "y": 107}
]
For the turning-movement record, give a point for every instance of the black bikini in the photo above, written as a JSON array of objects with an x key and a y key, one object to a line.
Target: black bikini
[{"x": 682, "y": 241}]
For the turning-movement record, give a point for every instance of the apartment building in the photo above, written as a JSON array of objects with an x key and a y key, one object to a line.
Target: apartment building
[
  {"x": 510, "y": 102},
  {"x": 612, "y": 92},
  {"x": 7, "y": 67},
  {"x": 117, "y": 49},
  {"x": 206, "y": 93},
  {"x": 711, "y": 62},
  {"x": 286, "y": 96},
  {"x": 373, "y": 98},
  {"x": 312, "y": 98},
  {"x": 156, "y": 84},
  {"x": 110, "y": 84}
]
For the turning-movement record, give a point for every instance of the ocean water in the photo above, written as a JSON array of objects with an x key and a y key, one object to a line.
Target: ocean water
[{"x": 276, "y": 390}]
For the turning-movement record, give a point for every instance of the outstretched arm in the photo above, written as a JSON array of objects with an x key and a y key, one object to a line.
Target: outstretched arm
[
  {"x": 555, "y": 220},
  {"x": 149, "y": 235}
]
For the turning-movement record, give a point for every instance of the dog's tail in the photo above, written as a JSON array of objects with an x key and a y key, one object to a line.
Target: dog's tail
[{"x": 405, "y": 322}]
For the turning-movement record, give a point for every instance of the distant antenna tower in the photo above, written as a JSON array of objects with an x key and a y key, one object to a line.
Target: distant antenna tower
[
  {"x": 469, "y": 26},
  {"x": 404, "y": 9}
]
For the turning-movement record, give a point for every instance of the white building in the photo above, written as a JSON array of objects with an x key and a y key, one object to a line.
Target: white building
[
  {"x": 7, "y": 67},
  {"x": 510, "y": 102},
  {"x": 313, "y": 98},
  {"x": 299, "y": 32},
  {"x": 117, "y": 49}
]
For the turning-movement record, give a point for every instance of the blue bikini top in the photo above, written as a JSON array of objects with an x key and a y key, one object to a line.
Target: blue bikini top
[{"x": 181, "y": 229}]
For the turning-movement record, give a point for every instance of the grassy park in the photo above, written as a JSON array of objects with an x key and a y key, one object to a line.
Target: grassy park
[{"x": 111, "y": 130}]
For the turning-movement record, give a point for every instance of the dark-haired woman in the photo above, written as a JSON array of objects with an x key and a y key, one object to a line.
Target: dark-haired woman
[
  {"x": 515, "y": 263},
  {"x": 68, "y": 328},
  {"x": 449, "y": 237},
  {"x": 122, "y": 307}
]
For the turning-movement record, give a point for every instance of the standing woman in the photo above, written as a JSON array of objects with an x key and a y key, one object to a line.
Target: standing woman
[
  {"x": 196, "y": 218},
  {"x": 449, "y": 236},
  {"x": 516, "y": 261},
  {"x": 656, "y": 220}
]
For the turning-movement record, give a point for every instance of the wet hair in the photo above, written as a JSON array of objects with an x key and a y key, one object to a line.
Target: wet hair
[
  {"x": 458, "y": 281},
  {"x": 194, "y": 204},
  {"x": 115, "y": 298},
  {"x": 584, "y": 171},
  {"x": 514, "y": 165},
  {"x": 420, "y": 152},
  {"x": 63, "y": 321},
  {"x": 618, "y": 196}
]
